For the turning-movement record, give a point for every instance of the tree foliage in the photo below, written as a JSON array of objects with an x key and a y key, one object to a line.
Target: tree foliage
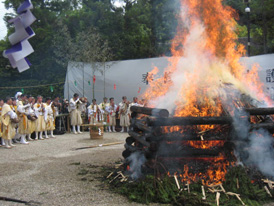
[{"x": 97, "y": 30}]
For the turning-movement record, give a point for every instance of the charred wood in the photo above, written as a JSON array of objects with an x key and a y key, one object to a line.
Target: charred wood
[
  {"x": 172, "y": 121},
  {"x": 190, "y": 152},
  {"x": 260, "y": 111},
  {"x": 150, "y": 111},
  {"x": 267, "y": 126},
  {"x": 139, "y": 138}
]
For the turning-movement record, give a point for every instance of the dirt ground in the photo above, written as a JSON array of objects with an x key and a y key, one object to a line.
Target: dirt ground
[
  {"x": 53, "y": 173},
  {"x": 47, "y": 171}
]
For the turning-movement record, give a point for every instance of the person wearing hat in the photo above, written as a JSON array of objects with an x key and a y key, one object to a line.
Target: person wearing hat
[{"x": 8, "y": 129}]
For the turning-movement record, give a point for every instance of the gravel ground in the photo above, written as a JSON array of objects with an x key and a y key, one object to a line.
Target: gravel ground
[{"x": 46, "y": 171}]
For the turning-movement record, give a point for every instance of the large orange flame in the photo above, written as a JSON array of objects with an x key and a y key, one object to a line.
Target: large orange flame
[
  {"x": 205, "y": 56},
  {"x": 205, "y": 59}
]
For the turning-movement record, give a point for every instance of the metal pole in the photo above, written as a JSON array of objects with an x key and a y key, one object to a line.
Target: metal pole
[
  {"x": 104, "y": 79},
  {"x": 83, "y": 79},
  {"x": 248, "y": 31}
]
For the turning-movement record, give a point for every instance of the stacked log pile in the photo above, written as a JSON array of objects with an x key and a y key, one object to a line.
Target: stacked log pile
[{"x": 146, "y": 133}]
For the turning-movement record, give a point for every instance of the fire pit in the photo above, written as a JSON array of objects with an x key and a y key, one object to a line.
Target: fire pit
[{"x": 175, "y": 145}]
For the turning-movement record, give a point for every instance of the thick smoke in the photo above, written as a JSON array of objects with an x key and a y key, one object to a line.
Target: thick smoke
[
  {"x": 253, "y": 147},
  {"x": 136, "y": 159}
]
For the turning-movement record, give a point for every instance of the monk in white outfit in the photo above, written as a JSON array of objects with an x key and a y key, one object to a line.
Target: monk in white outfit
[
  {"x": 40, "y": 109},
  {"x": 75, "y": 106},
  {"x": 22, "y": 106},
  {"x": 94, "y": 113},
  {"x": 111, "y": 109},
  {"x": 31, "y": 118},
  {"x": 124, "y": 114},
  {"x": 51, "y": 113},
  {"x": 8, "y": 128},
  {"x": 1, "y": 105}
]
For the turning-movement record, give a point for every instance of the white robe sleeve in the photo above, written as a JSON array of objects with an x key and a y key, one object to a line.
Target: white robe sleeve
[{"x": 12, "y": 114}]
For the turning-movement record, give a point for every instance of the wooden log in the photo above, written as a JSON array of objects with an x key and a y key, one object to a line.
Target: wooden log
[
  {"x": 172, "y": 121},
  {"x": 139, "y": 138},
  {"x": 142, "y": 127},
  {"x": 130, "y": 148},
  {"x": 150, "y": 111},
  {"x": 260, "y": 111},
  {"x": 267, "y": 126},
  {"x": 190, "y": 152}
]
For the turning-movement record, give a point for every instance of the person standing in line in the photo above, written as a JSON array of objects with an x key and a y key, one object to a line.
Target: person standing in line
[
  {"x": 7, "y": 117},
  {"x": 39, "y": 109},
  {"x": 124, "y": 115},
  {"x": 1, "y": 105},
  {"x": 50, "y": 114},
  {"x": 75, "y": 113},
  {"x": 31, "y": 118},
  {"x": 111, "y": 109},
  {"x": 22, "y": 106}
]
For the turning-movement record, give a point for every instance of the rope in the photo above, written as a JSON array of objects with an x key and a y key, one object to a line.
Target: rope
[{"x": 44, "y": 85}]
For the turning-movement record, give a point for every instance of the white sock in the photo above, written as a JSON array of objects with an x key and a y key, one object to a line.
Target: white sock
[
  {"x": 113, "y": 129},
  {"x": 109, "y": 129},
  {"x": 78, "y": 129},
  {"x": 40, "y": 135},
  {"x": 23, "y": 139},
  {"x": 46, "y": 134},
  {"x": 51, "y": 133},
  {"x": 2, "y": 141},
  {"x": 73, "y": 129},
  {"x": 36, "y": 135}
]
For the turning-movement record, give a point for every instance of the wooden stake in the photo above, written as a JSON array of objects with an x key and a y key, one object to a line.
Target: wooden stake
[
  {"x": 237, "y": 182},
  {"x": 267, "y": 191},
  {"x": 203, "y": 192},
  {"x": 188, "y": 190},
  {"x": 110, "y": 175},
  {"x": 202, "y": 138},
  {"x": 237, "y": 195},
  {"x": 100, "y": 145},
  {"x": 218, "y": 198},
  {"x": 223, "y": 189},
  {"x": 177, "y": 183},
  {"x": 114, "y": 178}
]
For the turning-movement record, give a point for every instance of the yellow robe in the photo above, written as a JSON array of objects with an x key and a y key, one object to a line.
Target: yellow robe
[
  {"x": 8, "y": 130},
  {"x": 0, "y": 122},
  {"x": 23, "y": 121},
  {"x": 40, "y": 122}
]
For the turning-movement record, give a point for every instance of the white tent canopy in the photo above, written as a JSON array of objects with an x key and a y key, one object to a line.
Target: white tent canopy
[{"x": 127, "y": 76}]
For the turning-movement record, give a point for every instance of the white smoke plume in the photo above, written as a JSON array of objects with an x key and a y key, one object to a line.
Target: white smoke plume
[{"x": 136, "y": 159}]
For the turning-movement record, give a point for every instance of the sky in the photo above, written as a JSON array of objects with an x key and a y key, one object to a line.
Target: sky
[{"x": 3, "y": 30}]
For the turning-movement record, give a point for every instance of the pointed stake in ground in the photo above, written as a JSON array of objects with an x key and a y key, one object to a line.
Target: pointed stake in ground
[
  {"x": 203, "y": 192},
  {"x": 177, "y": 183},
  {"x": 237, "y": 182},
  {"x": 218, "y": 198},
  {"x": 188, "y": 190},
  {"x": 267, "y": 191}
]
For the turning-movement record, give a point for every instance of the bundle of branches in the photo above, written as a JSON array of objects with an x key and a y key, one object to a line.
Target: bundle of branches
[{"x": 165, "y": 190}]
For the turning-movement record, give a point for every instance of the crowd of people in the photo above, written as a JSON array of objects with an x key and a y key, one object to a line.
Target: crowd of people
[
  {"x": 23, "y": 115},
  {"x": 106, "y": 112}
]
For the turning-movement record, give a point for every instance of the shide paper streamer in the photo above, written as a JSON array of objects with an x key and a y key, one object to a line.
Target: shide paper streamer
[{"x": 19, "y": 39}]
